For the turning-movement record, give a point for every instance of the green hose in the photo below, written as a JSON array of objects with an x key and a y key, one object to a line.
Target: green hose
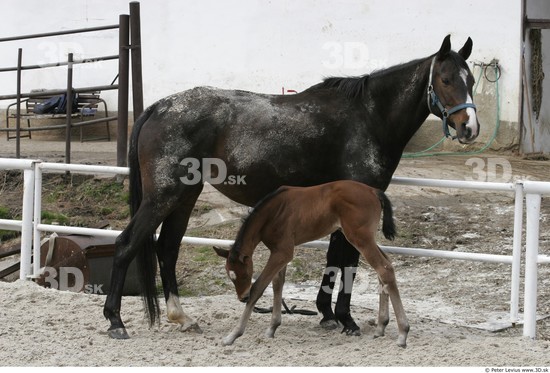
[{"x": 424, "y": 153}]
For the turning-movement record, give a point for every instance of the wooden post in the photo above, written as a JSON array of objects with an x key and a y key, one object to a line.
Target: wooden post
[
  {"x": 123, "y": 63},
  {"x": 18, "y": 106},
  {"x": 137, "y": 80},
  {"x": 69, "y": 109}
]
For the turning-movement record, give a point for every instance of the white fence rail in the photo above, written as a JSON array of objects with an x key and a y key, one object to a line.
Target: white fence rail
[{"x": 31, "y": 227}]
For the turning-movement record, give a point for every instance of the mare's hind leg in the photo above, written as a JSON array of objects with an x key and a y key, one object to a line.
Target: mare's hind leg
[
  {"x": 168, "y": 245},
  {"x": 276, "y": 318},
  {"x": 128, "y": 243},
  {"x": 365, "y": 243}
]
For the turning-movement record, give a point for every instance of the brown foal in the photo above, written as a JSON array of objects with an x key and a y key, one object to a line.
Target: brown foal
[{"x": 291, "y": 216}]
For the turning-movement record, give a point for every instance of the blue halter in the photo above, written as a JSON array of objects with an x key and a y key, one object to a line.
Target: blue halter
[{"x": 433, "y": 100}]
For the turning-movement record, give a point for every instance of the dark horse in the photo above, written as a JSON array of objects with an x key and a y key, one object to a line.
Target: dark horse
[{"x": 342, "y": 128}]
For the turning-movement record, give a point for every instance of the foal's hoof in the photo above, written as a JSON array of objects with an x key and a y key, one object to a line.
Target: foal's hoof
[
  {"x": 194, "y": 327},
  {"x": 118, "y": 333},
  {"x": 329, "y": 324}
]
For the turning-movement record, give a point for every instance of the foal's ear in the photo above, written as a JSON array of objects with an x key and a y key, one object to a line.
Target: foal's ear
[
  {"x": 466, "y": 50},
  {"x": 243, "y": 258},
  {"x": 445, "y": 47},
  {"x": 221, "y": 252}
]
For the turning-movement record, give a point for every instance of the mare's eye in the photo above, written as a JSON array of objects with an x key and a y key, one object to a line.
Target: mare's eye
[{"x": 445, "y": 81}]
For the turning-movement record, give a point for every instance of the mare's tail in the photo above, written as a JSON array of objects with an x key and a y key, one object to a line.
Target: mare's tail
[
  {"x": 146, "y": 257},
  {"x": 388, "y": 225}
]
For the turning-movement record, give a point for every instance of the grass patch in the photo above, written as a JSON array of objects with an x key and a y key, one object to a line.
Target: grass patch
[
  {"x": 6, "y": 235},
  {"x": 50, "y": 217}
]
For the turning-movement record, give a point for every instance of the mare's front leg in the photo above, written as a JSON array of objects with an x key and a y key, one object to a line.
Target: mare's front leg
[
  {"x": 275, "y": 264},
  {"x": 276, "y": 318}
]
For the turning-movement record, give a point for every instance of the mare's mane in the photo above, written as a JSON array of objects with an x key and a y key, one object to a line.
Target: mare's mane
[{"x": 355, "y": 87}]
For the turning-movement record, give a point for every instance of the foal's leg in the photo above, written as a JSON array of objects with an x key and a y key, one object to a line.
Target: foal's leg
[
  {"x": 168, "y": 246},
  {"x": 275, "y": 264},
  {"x": 364, "y": 241},
  {"x": 383, "y": 312},
  {"x": 278, "y": 282}
]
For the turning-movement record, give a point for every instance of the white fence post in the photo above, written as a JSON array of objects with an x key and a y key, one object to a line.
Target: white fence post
[
  {"x": 37, "y": 218},
  {"x": 531, "y": 256},
  {"x": 516, "y": 254},
  {"x": 26, "y": 227}
]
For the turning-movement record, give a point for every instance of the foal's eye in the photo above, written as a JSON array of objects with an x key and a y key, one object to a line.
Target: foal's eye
[{"x": 445, "y": 81}]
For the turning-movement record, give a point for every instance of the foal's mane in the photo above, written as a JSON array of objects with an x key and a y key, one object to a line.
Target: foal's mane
[{"x": 236, "y": 248}]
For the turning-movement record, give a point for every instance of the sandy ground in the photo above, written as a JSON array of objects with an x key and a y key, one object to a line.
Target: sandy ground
[
  {"x": 443, "y": 299},
  {"x": 47, "y": 327}
]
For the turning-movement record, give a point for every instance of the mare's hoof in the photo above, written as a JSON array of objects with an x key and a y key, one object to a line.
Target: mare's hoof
[
  {"x": 352, "y": 331},
  {"x": 329, "y": 324},
  {"x": 118, "y": 333}
]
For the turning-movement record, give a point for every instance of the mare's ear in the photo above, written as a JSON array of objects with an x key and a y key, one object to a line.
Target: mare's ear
[
  {"x": 221, "y": 252},
  {"x": 466, "y": 50},
  {"x": 445, "y": 47}
]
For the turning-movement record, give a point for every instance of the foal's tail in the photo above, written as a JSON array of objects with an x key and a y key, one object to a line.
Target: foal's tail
[
  {"x": 388, "y": 225},
  {"x": 146, "y": 258}
]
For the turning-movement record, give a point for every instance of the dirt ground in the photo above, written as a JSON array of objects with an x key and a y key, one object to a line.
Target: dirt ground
[{"x": 453, "y": 306}]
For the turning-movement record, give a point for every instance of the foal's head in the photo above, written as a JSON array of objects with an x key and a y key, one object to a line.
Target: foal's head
[
  {"x": 452, "y": 82},
  {"x": 239, "y": 268}
]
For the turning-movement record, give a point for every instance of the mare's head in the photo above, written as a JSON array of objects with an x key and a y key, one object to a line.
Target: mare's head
[
  {"x": 239, "y": 268},
  {"x": 451, "y": 84}
]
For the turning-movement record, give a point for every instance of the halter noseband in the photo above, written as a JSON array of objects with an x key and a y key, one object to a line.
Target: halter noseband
[{"x": 433, "y": 99}]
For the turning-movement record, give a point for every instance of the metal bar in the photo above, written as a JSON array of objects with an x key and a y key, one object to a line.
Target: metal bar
[
  {"x": 516, "y": 254},
  {"x": 57, "y": 33},
  {"x": 137, "y": 79},
  {"x": 57, "y": 126},
  {"x": 536, "y": 187},
  {"x": 84, "y": 168},
  {"x": 10, "y": 225},
  {"x": 18, "y": 106},
  {"x": 62, "y": 63},
  {"x": 27, "y": 226},
  {"x": 69, "y": 109},
  {"x": 61, "y": 91},
  {"x": 531, "y": 255},
  {"x": 458, "y": 184},
  {"x": 11, "y": 252},
  {"x": 533, "y": 23},
  {"x": 8, "y": 271},
  {"x": 16, "y": 164},
  {"x": 123, "y": 63}
]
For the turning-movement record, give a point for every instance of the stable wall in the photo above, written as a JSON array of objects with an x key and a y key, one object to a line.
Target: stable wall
[{"x": 264, "y": 46}]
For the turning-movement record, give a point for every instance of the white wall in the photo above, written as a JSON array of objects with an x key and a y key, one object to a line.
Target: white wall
[{"x": 262, "y": 45}]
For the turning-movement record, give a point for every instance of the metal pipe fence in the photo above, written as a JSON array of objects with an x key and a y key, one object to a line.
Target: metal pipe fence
[{"x": 31, "y": 227}]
